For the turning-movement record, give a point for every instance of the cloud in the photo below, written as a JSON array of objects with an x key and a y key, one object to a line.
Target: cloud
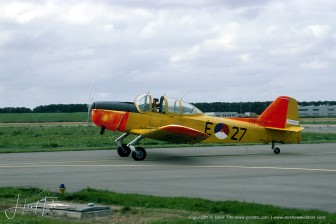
[{"x": 50, "y": 51}]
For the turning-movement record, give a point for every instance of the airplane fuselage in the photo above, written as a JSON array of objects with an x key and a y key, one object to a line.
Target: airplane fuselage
[
  {"x": 176, "y": 121},
  {"x": 221, "y": 130}
]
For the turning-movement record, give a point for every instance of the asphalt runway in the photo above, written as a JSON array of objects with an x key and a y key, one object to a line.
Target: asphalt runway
[{"x": 302, "y": 176}]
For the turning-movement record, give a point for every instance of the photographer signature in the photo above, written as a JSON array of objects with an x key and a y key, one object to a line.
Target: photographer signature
[{"x": 32, "y": 207}]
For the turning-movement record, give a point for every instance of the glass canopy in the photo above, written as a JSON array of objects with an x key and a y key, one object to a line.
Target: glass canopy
[{"x": 145, "y": 103}]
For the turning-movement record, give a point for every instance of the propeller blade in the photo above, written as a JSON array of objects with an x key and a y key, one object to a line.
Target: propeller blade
[{"x": 90, "y": 101}]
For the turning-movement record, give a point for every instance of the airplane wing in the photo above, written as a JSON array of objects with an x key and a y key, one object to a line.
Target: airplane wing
[{"x": 173, "y": 133}]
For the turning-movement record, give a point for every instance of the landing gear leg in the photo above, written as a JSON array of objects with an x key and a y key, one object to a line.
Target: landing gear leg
[
  {"x": 138, "y": 153},
  {"x": 102, "y": 130},
  {"x": 123, "y": 149},
  {"x": 275, "y": 149}
]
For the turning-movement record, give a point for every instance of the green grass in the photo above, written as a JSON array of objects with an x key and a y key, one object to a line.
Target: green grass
[
  {"x": 188, "y": 208},
  {"x": 45, "y": 138},
  {"x": 308, "y": 137},
  {"x": 319, "y": 120},
  {"x": 59, "y": 138}
]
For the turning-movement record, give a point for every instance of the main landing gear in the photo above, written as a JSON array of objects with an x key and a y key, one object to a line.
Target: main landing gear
[
  {"x": 124, "y": 150},
  {"x": 275, "y": 149}
]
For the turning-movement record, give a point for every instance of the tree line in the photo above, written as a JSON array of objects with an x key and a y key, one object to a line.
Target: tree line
[
  {"x": 239, "y": 107},
  {"x": 256, "y": 107},
  {"x": 52, "y": 108}
]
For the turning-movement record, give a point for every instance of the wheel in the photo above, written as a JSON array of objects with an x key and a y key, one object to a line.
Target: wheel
[
  {"x": 124, "y": 151},
  {"x": 140, "y": 154},
  {"x": 276, "y": 150}
]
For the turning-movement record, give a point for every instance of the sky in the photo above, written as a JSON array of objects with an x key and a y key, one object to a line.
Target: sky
[{"x": 60, "y": 52}]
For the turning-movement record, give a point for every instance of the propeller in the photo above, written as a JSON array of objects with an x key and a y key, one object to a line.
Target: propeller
[{"x": 90, "y": 101}]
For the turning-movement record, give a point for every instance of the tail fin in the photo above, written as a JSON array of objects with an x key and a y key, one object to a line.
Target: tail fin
[{"x": 283, "y": 113}]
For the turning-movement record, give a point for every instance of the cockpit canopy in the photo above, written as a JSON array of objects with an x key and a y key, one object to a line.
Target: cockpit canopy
[{"x": 145, "y": 103}]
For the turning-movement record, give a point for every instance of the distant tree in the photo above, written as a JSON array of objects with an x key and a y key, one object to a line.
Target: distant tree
[
  {"x": 61, "y": 108},
  {"x": 317, "y": 103},
  {"x": 239, "y": 107},
  {"x": 15, "y": 110},
  {"x": 242, "y": 107}
]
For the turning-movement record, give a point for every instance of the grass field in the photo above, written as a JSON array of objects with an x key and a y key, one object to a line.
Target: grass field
[
  {"x": 323, "y": 120},
  {"x": 59, "y": 137},
  {"x": 134, "y": 208},
  {"x": 78, "y": 137},
  {"x": 53, "y": 137}
]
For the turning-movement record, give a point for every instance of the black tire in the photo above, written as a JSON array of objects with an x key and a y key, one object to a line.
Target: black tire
[
  {"x": 276, "y": 150},
  {"x": 124, "y": 151},
  {"x": 140, "y": 155}
]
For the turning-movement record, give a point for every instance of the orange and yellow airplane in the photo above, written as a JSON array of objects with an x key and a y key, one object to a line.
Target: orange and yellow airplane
[{"x": 176, "y": 121}]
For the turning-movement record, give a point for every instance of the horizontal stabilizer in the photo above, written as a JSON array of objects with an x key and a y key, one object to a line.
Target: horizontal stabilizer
[{"x": 291, "y": 129}]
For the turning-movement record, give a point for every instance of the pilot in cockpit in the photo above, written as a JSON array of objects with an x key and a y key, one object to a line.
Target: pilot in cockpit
[{"x": 155, "y": 105}]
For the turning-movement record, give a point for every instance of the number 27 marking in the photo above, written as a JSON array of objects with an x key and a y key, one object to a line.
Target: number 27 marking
[{"x": 234, "y": 136}]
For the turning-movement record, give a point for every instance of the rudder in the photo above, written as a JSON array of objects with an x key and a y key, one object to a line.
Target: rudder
[{"x": 281, "y": 113}]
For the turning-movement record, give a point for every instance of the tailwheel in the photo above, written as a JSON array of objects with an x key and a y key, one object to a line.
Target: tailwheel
[
  {"x": 276, "y": 150},
  {"x": 124, "y": 151},
  {"x": 139, "y": 154}
]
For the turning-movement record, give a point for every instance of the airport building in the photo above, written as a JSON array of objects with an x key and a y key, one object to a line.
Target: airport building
[
  {"x": 222, "y": 114},
  {"x": 304, "y": 111},
  {"x": 317, "y": 111}
]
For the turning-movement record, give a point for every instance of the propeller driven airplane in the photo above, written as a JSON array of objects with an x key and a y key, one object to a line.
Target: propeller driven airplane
[{"x": 176, "y": 121}]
